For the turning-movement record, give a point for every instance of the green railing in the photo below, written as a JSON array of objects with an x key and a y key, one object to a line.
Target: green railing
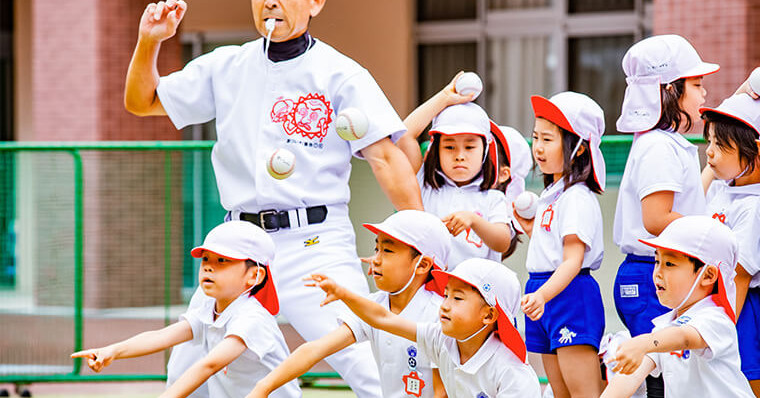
[{"x": 178, "y": 170}]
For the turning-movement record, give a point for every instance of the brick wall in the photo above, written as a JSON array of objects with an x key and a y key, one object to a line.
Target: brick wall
[{"x": 725, "y": 32}]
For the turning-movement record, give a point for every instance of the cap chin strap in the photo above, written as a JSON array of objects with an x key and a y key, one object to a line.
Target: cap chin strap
[
  {"x": 410, "y": 278},
  {"x": 473, "y": 335},
  {"x": 577, "y": 147},
  {"x": 746, "y": 169},
  {"x": 693, "y": 286}
]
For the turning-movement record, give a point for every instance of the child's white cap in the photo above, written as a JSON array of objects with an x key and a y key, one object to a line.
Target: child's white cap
[
  {"x": 467, "y": 118},
  {"x": 423, "y": 231},
  {"x": 648, "y": 64},
  {"x": 578, "y": 114},
  {"x": 242, "y": 240},
  {"x": 741, "y": 107},
  {"x": 520, "y": 161},
  {"x": 711, "y": 242},
  {"x": 500, "y": 288}
]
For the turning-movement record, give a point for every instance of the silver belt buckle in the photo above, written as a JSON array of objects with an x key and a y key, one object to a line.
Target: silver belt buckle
[{"x": 264, "y": 213}]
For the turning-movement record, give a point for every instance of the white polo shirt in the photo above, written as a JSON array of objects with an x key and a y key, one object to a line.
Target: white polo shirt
[
  {"x": 658, "y": 161},
  {"x": 260, "y": 106},
  {"x": 714, "y": 371},
  {"x": 248, "y": 320},
  {"x": 489, "y": 204},
  {"x": 575, "y": 211},
  {"x": 494, "y": 370},
  {"x": 739, "y": 208},
  {"x": 396, "y": 356}
]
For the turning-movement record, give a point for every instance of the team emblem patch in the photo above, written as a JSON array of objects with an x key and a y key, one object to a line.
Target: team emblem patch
[
  {"x": 311, "y": 241},
  {"x": 481, "y": 395},
  {"x": 566, "y": 335},
  {"x": 412, "y": 351},
  {"x": 720, "y": 217},
  {"x": 308, "y": 116},
  {"x": 682, "y": 320}
]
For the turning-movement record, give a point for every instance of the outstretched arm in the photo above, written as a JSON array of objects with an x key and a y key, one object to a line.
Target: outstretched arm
[
  {"x": 302, "y": 359},
  {"x": 394, "y": 174},
  {"x": 623, "y": 386},
  {"x": 220, "y": 356},
  {"x": 158, "y": 23},
  {"x": 631, "y": 352},
  {"x": 422, "y": 116},
  {"x": 369, "y": 311},
  {"x": 496, "y": 236},
  {"x": 142, "y": 344}
]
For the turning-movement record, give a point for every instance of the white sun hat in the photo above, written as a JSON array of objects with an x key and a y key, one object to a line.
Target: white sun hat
[
  {"x": 741, "y": 107},
  {"x": 648, "y": 64},
  {"x": 578, "y": 114}
]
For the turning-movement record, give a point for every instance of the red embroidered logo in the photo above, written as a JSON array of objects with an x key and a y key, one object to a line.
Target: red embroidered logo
[
  {"x": 308, "y": 116},
  {"x": 720, "y": 217},
  {"x": 474, "y": 238}
]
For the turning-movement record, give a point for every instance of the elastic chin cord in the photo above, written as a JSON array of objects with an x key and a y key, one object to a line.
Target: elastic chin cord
[
  {"x": 473, "y": 335},
  {"x": 733, "y": 180},
  {"x": 693, "y": 286},
  {"x": 577, "y": 147},
  {"x": 410, "y": 278}
]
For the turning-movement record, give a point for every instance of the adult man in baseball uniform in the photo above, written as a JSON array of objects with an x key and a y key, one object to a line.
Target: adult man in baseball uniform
[{"x": 283, "y": 94}]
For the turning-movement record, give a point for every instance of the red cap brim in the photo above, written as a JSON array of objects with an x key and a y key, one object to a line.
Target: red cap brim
[
  {"x": 546, "y": 109},
  {"x": 721, "y": 298},
  {"x": 267, "y": 296},
  {"x": 509, "y": 336}
]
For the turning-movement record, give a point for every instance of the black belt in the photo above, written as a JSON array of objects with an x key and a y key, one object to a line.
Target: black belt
[{"x": 274, "y": 220}]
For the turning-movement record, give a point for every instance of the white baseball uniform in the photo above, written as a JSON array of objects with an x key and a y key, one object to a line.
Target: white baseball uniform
[
  {"x": 739, "y": 209},
  {"x": 493, "y": 372},
  {"x": 561, "y": 213},
  {"x": 449, "y": 198},
  {"x": 247, "y": 319},
  {"x": 259, "y": 106},
  {"x": 658, "y": 161},
  {"x": 397, "y": 357},
  {"x": 709, "y": 372}
]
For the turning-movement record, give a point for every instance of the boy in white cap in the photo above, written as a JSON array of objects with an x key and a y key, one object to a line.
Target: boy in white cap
[
  {"x": 478, "y": 350},
  {"x": 732, "y": 131},
  {"x": 234, "y": 325},
  {"x": 661, "y": 180},
  {"x": 566, "y": 244},
  {"x": 694, "y": 346},
  {"x": 409, "y": 244}
]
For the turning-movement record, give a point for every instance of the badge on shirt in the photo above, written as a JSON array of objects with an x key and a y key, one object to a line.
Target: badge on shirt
[
  {"x": 546, "y": 218},
  {"x": 413, "y": 384},
  {"x": 720, "y": 217}
]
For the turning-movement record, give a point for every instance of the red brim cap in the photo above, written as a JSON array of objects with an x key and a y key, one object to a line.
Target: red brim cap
[
  {"x": 735, "y": 117},
  {"x": 267, "y": 295},
  {"x": 546, "y": 109},
  {"x": 506, "y": 331},
  {"x": 434, "y": 285}
]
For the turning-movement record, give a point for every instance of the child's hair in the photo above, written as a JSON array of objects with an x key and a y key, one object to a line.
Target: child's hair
[
  {"x": 432, "y": 166},
  {"x": 697, "y": 263},
  {"x": 729, "y": 133},
  {"x": 250, "y": 263},
  {"x": 503, "y": 162},
  {"x": 578, "y": 169},
  {"x": 673, "y": 116}
]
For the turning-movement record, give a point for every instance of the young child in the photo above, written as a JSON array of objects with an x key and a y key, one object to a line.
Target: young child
[
  {"x": 563, "y": 305},
  {"x": 694, "y": 346},
  {"x": 235, "y": 325},
  {"x": 732, "y": 131},
  {"x": 458, "y": 173},
  {"x": 478, "y": 350},
  {"x": 661, "y": 180},
  {"x": 408, "y": 246}
]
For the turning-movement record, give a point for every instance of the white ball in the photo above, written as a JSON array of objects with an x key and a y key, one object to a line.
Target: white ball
[
  {"x": 281, "y": 163},
  {"x": 351, "y": 124},
  {"x": 468, "y": 83},
  {"x": 754, "y": 81},
  {"x": 526, "y": 205}
]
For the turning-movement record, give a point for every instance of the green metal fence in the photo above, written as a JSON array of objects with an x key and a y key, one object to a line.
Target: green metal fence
[{"x": 94, "y": 239}]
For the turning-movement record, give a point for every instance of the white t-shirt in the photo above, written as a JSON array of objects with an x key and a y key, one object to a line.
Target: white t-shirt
[
  {"x": 714, "y": 371},
  {"x": 449, "y": 198},
  {"x": 575, "y": 211},
  {"x": 658, "y": 161},
  {"x": 396, "y": 356},
  {"x": 260, "y": 106},
  {"x": 494, "y": 371},
  {"x": 739, "y": 208},
  {"x": 248, "y": 320}
]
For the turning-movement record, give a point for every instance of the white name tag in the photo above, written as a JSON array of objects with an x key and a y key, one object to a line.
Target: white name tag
[{"x": 629, "y": 290}]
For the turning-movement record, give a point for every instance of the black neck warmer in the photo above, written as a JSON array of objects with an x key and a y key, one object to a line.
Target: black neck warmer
[{"x": 289, "y": 49}]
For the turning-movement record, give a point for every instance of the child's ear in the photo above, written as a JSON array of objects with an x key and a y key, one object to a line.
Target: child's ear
[
  {"x": 258, "y": 276},
  {"x": 426, "y": 264},
  {"x": 710, "y": 276},
  {"x": 490, "y": 315},
  {"x": 504, "y": 174}
]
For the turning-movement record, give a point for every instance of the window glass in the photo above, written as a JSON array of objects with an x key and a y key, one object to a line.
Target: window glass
[
  {"x": 518, "y": 4},
  {"x": 441, "y": 10},
  {"x": 578, "y": 6}
]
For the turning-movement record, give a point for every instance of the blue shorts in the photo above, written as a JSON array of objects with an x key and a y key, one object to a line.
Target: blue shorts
[
  {"x": 573, "y": 317},
  {"x": 635, "y": 296},
  {"x": 747, "y": 327}
]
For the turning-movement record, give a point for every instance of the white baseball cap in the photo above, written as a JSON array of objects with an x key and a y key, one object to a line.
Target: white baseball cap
[
  {"x": 423, "y": 231},
  {"x": 500, "y": 288},
  {"x": 466, "y": 118},
  {"x": 578, "y": 114},
  {"x": 741, "y": 107},
  {"x": 242, "y": 240},
  {"x": 711, "y": 242},
  {"x": 520, "y": 160},
  {"x": 648, "y": 64}
]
